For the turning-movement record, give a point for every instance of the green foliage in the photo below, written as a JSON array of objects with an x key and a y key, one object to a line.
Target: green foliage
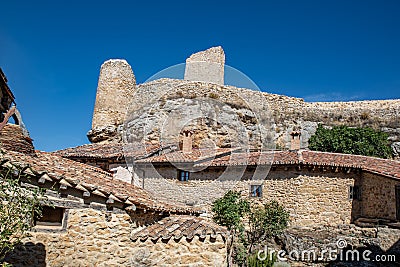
[
  {"x": 18, "y": 205},
  {"x": 263, "y": 222},
  {"x": 358, "y": 141},
  {"x": 229, "y": 210},
  {"x": 266, "y": 221},
  {"x": 213, "y": 95},
  {"x": 254, "y": 261}
]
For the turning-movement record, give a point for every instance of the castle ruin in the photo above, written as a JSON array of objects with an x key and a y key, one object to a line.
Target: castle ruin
[{"x": 204, "y": 77}]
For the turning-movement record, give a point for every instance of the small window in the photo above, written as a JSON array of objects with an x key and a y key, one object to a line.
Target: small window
[
  {"x": 183, "y": 176},
  {"x": 256, "y": 190},
  {"x": 354, "y": 192},
  {"x": 50, "y": 217}
]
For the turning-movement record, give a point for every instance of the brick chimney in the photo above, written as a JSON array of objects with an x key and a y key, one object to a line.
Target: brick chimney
[
  {"x": 295, "y": 140},
  {"x": 187, "y": 141}
]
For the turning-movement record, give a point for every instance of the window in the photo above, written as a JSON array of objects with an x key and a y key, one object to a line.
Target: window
[
  {"x": 256, "y": 190},
  {"x": 183, "y": 176},
  {"x": 354, "y": 192},
  {"x": 50, "y": 217}
]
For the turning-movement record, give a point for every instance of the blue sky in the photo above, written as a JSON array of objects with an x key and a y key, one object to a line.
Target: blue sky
[{"x": 51, "y": 51}]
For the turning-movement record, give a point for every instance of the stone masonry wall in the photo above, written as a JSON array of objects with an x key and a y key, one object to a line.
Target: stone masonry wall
[
  {"x": 206, "y": 66},
  {"x": 310, "y": 197},
  {"x": 378, "y": 196},
  {"x": 99, "y": 238}
]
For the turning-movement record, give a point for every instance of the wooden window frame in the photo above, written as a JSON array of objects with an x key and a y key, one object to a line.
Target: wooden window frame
[
  {"x": 354, "y": 192},
  {"x": 256, "y": 190},
  {"x": 57, "y": 224},
  {"x": 183, "y": 176}
]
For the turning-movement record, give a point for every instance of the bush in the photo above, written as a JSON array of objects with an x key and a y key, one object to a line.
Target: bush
[
  {"x": 254, "y": 261},
  {"x": 264, "y": 221},
  {"x": 358, "y": 141},
  {"x": 18, "y": 206},
  {"x": 213, "y": 95}
]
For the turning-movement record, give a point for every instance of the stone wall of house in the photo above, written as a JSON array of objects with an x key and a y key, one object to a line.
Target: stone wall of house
[
  {"x": 378, "y": 196},
  {"x": 100, "y": 238},
  {"x": 310, "y": 197}
]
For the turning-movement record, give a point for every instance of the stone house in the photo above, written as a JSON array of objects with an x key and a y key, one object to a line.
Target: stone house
[
  {"x": 316, "y": 187},
  {"x": 101, "y": 221},
  {"x": 96, "y": 219},
  {"x": 147, "y": 204}
]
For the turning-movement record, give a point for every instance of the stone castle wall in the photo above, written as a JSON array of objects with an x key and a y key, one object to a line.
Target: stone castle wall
[
  {"x": 100, "y": 238},
  {"x": 282, "y": 114},
  {"x": 206, "y": 66},
  {"x": 204, "y": 78}
]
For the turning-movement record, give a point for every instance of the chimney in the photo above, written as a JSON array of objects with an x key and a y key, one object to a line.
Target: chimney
[
  {"x": 187, "y": 141},
  {"x": 295, "y": 141}
]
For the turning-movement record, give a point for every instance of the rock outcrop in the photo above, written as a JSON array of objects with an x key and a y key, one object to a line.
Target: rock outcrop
[{"x": 284, "y": 114}]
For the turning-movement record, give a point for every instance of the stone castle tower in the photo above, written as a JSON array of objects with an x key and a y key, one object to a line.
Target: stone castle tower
[
  {"x": 204, "y": 76},
  {"x": 206, "y": 66},
  {"x": 117, "y": 85},
  {"x": 115, "y": 90}
]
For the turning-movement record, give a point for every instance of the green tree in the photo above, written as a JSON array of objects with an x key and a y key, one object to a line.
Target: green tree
[
  {"x": 262, "y": 222},
  {"x": 18, "y": 206},
  {"x": 266, "y": 221},
  {"x": 358, "y": 141},
  {"x": 229, "y": 211}
]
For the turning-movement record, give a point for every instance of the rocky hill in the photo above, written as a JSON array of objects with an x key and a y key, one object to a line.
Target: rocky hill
[{"x": 221, "y": 115}]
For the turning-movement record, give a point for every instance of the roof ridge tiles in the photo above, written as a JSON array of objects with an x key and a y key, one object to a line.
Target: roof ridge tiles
[{"x": 89, "y": 180}]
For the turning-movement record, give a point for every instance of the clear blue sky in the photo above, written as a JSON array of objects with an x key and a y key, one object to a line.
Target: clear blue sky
[{"x": 51, "y": 51}]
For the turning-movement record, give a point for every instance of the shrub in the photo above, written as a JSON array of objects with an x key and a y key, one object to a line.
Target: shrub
[
  {"x": 18, "y": 206},
  {"x": 359, "y": 141},
  {"x": 264, "y": 221},
  {"x": 364, "y": 116},
  {"x": 213, "y": 95},
  {"x": 254, "y": 261}
]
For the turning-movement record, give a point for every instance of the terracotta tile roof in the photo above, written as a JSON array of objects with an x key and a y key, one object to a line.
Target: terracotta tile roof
[
  {"x": 109, "y": 150},
  {"x": 254, "y": 158},
  {"x": 180, "y": 226},
  {"x": 386, "y": 167},
  {"x": 195, "y": 156},
  {"x": 47, "y": 166}
]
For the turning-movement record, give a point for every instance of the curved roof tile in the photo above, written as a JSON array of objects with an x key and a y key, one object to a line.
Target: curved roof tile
[{"x": 178, "y": 226}]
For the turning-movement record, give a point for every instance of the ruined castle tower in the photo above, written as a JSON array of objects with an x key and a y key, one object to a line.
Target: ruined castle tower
[
  {"x": 206, "y": 66},
  {"x": 115, "y": 89}
]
